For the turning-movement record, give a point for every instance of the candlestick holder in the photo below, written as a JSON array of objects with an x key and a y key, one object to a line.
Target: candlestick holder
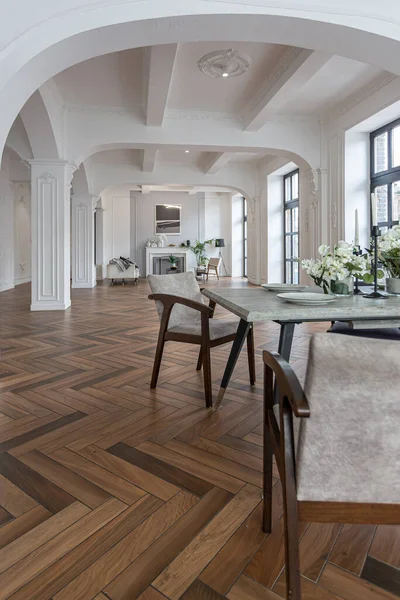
[
  {"x": 357, "y": 252},
  {"x": 375, "y": 294}
]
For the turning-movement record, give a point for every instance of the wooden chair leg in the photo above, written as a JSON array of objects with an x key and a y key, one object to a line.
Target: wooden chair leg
[
  {"x": 207, "y": 374},
  {"x": 157, "y": 362},
  {"x": 251, "y": 356},
  {"x": 268, "y": 452},
  {"x": 216, "y": 271},
  {"x": 200, "y": 360},
  {"x": 290, "y": 512}
]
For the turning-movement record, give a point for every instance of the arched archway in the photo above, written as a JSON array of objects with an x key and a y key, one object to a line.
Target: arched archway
[{"x": 76, "y": 35}]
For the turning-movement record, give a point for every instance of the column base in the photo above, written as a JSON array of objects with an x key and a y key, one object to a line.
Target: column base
[
  {"x": 38, "y": 306},
  {"x": 84, "y": 284}
]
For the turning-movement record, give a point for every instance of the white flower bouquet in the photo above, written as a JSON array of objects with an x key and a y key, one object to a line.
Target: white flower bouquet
[
  {"x": 389, "y": 251},
  {"x": 334, "y": 267}
]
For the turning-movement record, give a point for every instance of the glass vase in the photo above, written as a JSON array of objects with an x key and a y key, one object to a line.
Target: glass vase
[{"x": 342, "y": 287}]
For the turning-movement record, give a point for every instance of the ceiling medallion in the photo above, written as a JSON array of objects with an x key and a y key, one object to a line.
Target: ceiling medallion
[{"x": 224, "y": 63}]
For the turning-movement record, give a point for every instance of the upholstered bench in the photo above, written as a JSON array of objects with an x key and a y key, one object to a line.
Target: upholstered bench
[{"x": 115, "y": 274}]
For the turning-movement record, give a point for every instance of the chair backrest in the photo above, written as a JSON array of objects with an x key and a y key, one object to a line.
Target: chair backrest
[
  {"x": 179, "y": 284},
  {"x": 214, "y": 262},
  {"x": 352, "y": 436}
]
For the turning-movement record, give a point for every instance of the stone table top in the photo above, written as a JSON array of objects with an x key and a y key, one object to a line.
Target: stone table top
[{"x": 257, "y": 304}]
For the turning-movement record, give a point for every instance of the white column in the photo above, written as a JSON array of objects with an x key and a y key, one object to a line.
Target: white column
[
  {"x": 101, "y": 268},
  {"x": 50, "y": 199},
  {"x": 83, "y": 267},
  {"x": 253, "y": 239}
]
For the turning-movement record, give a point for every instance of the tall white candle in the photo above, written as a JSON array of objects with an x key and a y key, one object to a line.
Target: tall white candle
[
  {"x": 357, "y": 233},
  {"x": 374, "y": 209}
]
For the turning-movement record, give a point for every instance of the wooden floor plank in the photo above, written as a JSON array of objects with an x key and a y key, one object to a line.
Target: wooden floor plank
[
  {"x": 111, "y": 564},
  {"x": 386, "y": 544},
  {"x": 47, "y": 554},
  {"x": 188, "y": 565},
  {"x": 315, "y": 547},
  {"x": 39, "y": 535},
  {"x": 346, "y": 586},
  {"x": 16, "y": 528},
  {"x": 74, "y": 484},
  {"x": 13, "y": 499},
  {"x": 70, "y": 566},
  {"x": 162, "y": 469},
  {"x": 122, "y": 468},
  {"x": 118, "y": 487},
  {"x": 139, "y": 575},
  {"x": 248, "y": 589},
  {"x": 351, "y": 547},
  {"x": 226, "y": 567},
  {"x": 42, "y": 490},
  {"x": 226, "y": 482}
]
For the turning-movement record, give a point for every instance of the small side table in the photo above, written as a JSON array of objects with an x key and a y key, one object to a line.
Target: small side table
[{"x": 172, "y": 271}]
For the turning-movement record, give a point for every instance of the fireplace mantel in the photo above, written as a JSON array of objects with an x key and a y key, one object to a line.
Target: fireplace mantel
[{"x": 184, "y": 253}]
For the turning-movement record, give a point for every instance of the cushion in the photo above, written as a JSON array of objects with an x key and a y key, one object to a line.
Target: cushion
[
  {"x": 218, "y": 328},
  {"x": 179, "y": 284},
  {"x": 349, "y": 449}
]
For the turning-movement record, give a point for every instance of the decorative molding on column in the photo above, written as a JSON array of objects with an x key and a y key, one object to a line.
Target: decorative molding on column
[
  {"x": 83, "y": 267},
  {"x": 50, "y": 199},
  {"x": 253, "y": 239}
]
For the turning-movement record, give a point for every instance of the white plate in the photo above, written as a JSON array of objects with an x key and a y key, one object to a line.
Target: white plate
[
  {"x": 307, "y": 298},
  {"x": 283, "y": 287}
]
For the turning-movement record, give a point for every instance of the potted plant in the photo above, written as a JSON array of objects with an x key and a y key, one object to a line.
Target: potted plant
[
  {"x": 199, "y": 250},
  {"x": 334, "y": 272},
  {"x": 389, "y": 256},
  {"x": 173, "y": 262}
]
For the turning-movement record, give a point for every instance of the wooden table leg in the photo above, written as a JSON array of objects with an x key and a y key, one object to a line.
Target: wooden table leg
[
  {"x": 241, "y": 334},
  {"x": 284, "y": 347}
]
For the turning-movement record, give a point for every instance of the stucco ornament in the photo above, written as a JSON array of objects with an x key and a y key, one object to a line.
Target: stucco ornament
[
  {"x": 157, "y": 241},
  {"x": 224, "y": 63}
]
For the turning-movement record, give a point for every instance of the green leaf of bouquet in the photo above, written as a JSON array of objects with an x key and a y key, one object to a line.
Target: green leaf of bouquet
[{"x": 368, "y": 278}]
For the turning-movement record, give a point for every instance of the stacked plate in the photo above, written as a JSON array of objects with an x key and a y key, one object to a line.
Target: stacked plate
[
  {"x": 307, "y": 298},
  {"x": 283, "y": 287}
]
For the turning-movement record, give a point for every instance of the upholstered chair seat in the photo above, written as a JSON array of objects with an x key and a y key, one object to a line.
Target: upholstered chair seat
[
  {"x": 185, "y": 317},
  {"x": 218, "y": 328}
]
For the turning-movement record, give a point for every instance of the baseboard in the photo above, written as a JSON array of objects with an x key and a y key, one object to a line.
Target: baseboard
[
  {"x": 84, "y": 285},
  {"x": 8, "y": 285},
  {"x": 46, "y": 305},
  {"x": 20, "y": 280}
]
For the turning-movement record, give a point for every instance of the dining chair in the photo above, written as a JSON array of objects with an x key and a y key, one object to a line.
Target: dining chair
[
  {"x": 213, "y": 264},
  {"x": 336, "y": 442},
  {"x": 185, "y": 317}
]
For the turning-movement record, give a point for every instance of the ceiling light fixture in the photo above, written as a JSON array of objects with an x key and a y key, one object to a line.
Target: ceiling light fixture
[
  {"x": 224, "y": 63},
  {"x": 187, "y": 151}
]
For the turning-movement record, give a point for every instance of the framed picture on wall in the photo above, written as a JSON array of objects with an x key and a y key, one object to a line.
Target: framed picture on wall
[{"x": 168, "y": 219}]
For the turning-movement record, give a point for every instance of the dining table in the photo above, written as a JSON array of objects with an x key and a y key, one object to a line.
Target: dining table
[{"x": 254, "y": 303}]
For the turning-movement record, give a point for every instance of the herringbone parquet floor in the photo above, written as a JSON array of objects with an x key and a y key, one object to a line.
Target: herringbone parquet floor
[{"x": 109, "y": 490}]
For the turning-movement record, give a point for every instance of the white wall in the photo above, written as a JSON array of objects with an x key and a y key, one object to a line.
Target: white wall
[
  {"x": 357, "y": 186},
  {"x": 237, "y": 235},
  {"x": 129, "y": 220},
  {"x": 22, "y": 233},
  {"x": 6, "y": 227}
]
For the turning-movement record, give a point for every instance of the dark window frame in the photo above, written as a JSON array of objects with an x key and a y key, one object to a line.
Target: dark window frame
[
  {"x": 387, "y": 177},
  {"x": 290, "y": 204},
  {"x": 244, "y": 214}
]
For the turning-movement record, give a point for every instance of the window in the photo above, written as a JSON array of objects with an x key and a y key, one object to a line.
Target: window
[
  {"x": 291, "y": 226},
  {"x": 244, "y": 237},
  {"x": 385, "y": 173}
]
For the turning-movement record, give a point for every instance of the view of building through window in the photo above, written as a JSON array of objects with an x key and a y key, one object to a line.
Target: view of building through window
[{"x": 385, "y": 173}]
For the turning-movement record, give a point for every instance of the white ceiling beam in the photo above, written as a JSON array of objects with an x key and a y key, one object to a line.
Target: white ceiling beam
[
  {"x": 215, "y": 161},
  {"x": 149, "y": 156},
  {"x": 146, "y": 189},
  {"x": 161, "y": 65},
  {"x": 294, "y": 69}
]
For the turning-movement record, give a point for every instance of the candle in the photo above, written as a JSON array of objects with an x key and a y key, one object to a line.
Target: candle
[
  {"x": 374, "y": 210},
  {"x": 357, "y": 233}
]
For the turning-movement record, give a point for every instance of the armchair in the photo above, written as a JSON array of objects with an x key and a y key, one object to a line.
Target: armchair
[
  {"x": 184, "y": 317},
  {"x": 336, "y": 442}
]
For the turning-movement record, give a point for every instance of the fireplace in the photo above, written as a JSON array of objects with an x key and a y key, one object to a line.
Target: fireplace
[
  {"x": 157, "y": 262},
  {"x": 161, "y": 264}
]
